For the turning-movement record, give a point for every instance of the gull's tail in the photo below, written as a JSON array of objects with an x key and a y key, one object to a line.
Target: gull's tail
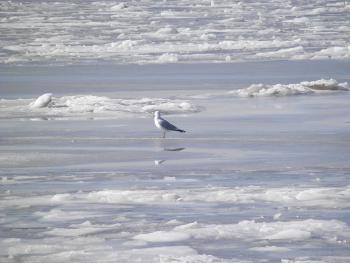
[{"x": 179, "y": 130}]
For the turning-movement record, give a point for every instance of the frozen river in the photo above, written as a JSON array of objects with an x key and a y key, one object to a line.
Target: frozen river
[{"x": 262, "y": 174}]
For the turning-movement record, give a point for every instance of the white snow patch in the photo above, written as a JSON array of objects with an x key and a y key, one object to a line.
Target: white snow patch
[{"x": 42, "y": 101}]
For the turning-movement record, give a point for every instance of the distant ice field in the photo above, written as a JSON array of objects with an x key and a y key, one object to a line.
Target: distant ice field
[{"x": 172, "y": 31}]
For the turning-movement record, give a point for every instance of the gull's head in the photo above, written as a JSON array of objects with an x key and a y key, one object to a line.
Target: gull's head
[{"x": 156, "y": 114}]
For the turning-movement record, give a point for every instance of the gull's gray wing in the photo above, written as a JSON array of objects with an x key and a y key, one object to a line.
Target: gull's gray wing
[{"x": 167, "y": 125}]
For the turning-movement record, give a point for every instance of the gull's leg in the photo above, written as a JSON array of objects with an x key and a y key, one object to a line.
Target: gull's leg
[{"x": 163, "y": 134}]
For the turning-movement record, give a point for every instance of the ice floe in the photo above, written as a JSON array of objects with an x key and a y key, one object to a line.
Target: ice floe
[
  {"x": 305, "y": 87},
  {"x": 320, "y": 197},
  {"x": 84, "y": 228},
  {"x": 93, "y": 249},
  {"x": 251, "y": 230},
  {"x": 89, "y": 105}
]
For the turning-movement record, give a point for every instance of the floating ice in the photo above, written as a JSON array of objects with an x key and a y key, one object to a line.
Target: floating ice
[
  {"x": 81, "y": 229},
  {"x": 333, "y": 52},
  {"x": 284, "y": 53},
  {"x": 324, "y": 84},
  {"x": 321, "y": 197},
  {"x": 97, "y": 104},
  {"x": 85, "y": 226},
  {"x": 91, "y": 249},
  {"x": 310, "y": 197},
  {"x": 59, "y": 215},
  {"x": 248, "y": 230},
  {"x": 89, "y": 105},
  {"x": 305, "y": 87},
  {"x": 260, "y": 90}
]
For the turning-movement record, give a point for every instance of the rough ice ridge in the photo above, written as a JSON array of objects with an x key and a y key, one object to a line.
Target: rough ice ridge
[
  {"x": 305, "y": 87},
  {"x": 47, "y": 106},
  {"x": 321, "y": 197},
  {"x": 250, "y": 230}
]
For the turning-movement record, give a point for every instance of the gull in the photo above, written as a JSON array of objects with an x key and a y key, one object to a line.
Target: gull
[{"x": 164, "y": 125}]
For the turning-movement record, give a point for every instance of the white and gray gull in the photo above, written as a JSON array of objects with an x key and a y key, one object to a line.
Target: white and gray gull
[{"x": 164, "y": 125}]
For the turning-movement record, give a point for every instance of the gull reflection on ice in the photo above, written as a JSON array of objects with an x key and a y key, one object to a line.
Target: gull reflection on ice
[
  {"x": 163, "y": 148},
  {"x": 158, "y": 162}
]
